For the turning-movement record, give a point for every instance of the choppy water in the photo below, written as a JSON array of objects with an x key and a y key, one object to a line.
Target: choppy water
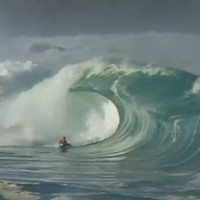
[{"x": 135, "y": 133}]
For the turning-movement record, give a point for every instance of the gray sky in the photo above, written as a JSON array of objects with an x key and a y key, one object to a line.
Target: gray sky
[
  {"x": 54, "y": 33},
  {"x": 74, "y": 17}
]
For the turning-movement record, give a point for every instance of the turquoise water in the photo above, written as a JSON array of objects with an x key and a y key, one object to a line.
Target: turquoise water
[
  {"x": 135, "y": 132},
  {"x": 47, "y": 173},
  {"x": 54, "y": 173}
]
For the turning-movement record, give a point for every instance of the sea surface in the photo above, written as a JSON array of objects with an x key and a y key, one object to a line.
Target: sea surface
[{"x": 134, "y": 130}]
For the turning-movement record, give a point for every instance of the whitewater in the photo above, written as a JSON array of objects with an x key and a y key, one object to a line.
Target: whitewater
[{"x": 134, "y": 130}]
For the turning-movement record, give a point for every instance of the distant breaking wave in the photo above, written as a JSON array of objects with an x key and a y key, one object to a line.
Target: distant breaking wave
[{"x": 149, "y": 113}]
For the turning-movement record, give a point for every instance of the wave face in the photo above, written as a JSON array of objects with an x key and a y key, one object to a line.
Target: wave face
[
  {"x": 158, "y": 109},
  {"x": 143, "y": 113}
]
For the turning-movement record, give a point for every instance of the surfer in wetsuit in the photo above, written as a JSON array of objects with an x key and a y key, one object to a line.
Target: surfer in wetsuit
[{"x": 63, "y": 142}]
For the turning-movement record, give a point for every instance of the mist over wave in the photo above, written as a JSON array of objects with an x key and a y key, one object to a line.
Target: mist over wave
[
  {"x": 48, "y": 111},
  {"x": 150, "y": 112}
]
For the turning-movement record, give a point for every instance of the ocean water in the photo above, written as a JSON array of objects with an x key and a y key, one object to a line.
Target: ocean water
[{"x": 134, "y": 130}]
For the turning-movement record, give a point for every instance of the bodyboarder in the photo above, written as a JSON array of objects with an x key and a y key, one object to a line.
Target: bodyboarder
[{"x": 63, "y": 142}]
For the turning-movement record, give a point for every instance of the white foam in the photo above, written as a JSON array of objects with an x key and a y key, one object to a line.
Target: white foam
[
  {"x": 9, "y": 68},
  {"x": 44, "y": 113},
  {"x": 196, "y": 86}
]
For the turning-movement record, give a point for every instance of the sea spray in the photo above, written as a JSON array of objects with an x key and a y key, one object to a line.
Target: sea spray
[{"x": 48, "y": 111}]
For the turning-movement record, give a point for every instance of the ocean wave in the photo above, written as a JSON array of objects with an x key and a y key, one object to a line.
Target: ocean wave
[{"x": 150, "y": 113}]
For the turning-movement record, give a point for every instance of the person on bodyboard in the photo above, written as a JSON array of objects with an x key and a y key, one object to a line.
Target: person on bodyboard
[{"x": 63, "y": 142}]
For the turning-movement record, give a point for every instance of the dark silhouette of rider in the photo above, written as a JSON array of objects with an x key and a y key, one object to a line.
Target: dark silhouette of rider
[{"x": 63, "y": 142}]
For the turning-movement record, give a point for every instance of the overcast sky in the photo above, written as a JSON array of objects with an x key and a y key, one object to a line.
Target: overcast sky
[
  {"x": 54, "y": 33},
  {"x": 75, "y": 17}
]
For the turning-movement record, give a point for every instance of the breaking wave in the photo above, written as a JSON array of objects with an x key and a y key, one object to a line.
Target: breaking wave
[{"x": 150, "y": 112}]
